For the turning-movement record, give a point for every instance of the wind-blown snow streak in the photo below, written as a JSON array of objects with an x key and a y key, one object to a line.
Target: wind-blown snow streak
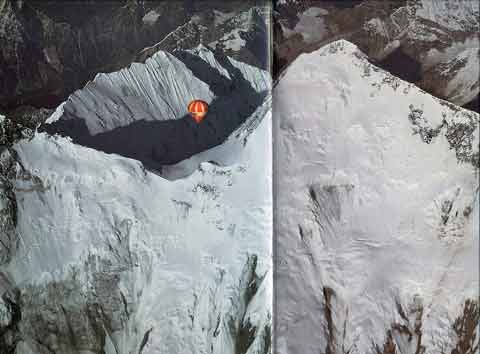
[
  {"x": 141, "y": 112},
  {"x": 376, "y": 187},
  {"x": 160, "y": 89}
]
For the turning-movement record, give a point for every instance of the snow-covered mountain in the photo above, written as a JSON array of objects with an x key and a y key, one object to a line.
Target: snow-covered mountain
[
  {"x": 376, "y": 212},
  {"x": 150, "y": 101},
  {"x": 127, "y": 228},
  {"x": 433, "y": 43},
  {"x": 101, "y": 255},
  {"x": 239, "y": 29},
  {"x": 51, "y": 48}
]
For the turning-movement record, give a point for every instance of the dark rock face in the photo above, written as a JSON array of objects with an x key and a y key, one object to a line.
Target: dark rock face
[
  {"x": 45, "y": 58},
  {"x": 48, "y": 49},
  {"x": 64, "y": 316},
  {"x": 240, "y": 327},
  {"x": 402, "y": 65},
  {"x": 206, "y": 28},
  {"x": 394, "y": 34},
  {"x": 474, "y": 105},
  {"x": 21, "y": 123},
  {"x": 343, "y": 19}
]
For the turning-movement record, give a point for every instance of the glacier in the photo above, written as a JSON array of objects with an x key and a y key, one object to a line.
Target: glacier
[
  {"x": 376, "y": 211},
  {"x": 109, "y": 256}
]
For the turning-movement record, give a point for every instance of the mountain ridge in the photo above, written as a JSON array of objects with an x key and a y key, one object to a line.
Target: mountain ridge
[{"x": 376, "y": 193}]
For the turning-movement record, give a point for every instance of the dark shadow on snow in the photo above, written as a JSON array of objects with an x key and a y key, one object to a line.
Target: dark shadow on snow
[
  {"x": 473, "y": 105},
  {"x": 165, "y": 142},
  {"x": 401, "y": 65}
]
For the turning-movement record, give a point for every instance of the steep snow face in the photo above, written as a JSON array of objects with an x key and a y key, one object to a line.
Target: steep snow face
[
  {"x": 224, "y": 154},
  {"x": 160, "y": 89},
  {"x": 108, "y": 257},
  {"x": 141, "y": 111},
  {"x": 175, "y": 267},
  {"x": 376, "y": 188}
]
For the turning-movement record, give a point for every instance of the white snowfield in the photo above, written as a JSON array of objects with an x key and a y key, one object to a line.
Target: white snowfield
[
  {"x": 182, "y": 249},
  {"x": 375, "y": 228}
]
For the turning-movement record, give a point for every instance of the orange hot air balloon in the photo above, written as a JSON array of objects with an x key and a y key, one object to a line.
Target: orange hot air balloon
[{"x": 198, "y": 110}]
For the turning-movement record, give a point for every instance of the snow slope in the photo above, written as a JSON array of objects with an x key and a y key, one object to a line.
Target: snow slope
[
  {"x": 159, "y": 89},
  {"x": 440, "y": 36},
  {"x": 376, "y": 194},
  {"x": 112, "y": 258},
  {"x": 141, "y": 112}
]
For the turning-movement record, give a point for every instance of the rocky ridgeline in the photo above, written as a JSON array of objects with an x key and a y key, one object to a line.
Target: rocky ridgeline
[
  {"x": 434, "y": 44},
  {"x": 46, "y": 52}
]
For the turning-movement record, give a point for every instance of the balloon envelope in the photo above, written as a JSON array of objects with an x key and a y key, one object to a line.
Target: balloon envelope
[{"x": 198, "y": 110}]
